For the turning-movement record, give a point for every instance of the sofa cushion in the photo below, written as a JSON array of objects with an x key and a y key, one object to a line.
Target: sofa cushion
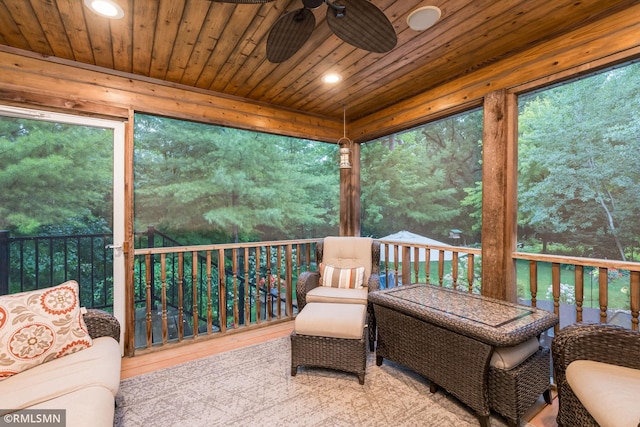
[
  {"x": 336, "y": 277},
  {"x": 348, "y": 252},
  {"x": 39, "y": 326},
  {"x": 331, "y": 320},
  {"x": 335, "y": 295},
  {"x": 94, "y": 406},
  {"x": 98, "y": 365},
  {"x": 509, "y": 357},
  {"x": 608, "y": 392}
]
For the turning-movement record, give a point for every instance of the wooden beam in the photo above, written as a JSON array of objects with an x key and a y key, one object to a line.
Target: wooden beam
[
  {"x": 51, "y": 82},
  {"x": 499, "y": 195}
]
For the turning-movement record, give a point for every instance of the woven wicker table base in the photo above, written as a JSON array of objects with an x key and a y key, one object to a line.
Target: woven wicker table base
[
  {"x": 513, "y": 392},
  {"x": 348, "y": 355}
]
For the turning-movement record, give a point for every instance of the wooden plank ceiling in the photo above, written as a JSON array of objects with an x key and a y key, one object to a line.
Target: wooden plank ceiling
[{"x": 220, "y": 47}]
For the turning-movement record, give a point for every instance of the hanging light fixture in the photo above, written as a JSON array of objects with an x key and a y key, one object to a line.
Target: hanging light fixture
[{"x": 345, "y": 143}]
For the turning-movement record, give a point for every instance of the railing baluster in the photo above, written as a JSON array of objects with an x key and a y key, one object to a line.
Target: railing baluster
[
  {"x": 194, "y": 286},
  {"x": 222, "y": 292},
  {"x": 470, "y": 271},
  {"x": 289, "y": 281},
  {"x": 278, "y": 272},
  {"x": 579, "y": 280},
  {"x": 148, "y": 300},
  {"x": 603, "y": 295},
  {"x": 634, "y": 298},
  {"x": 416, "y": 264},
  {"x": 267, "y": 283},
  {"x": 234, "y": 267},
  {"x": 533, "y": 282},
  {"x": 427, "y": 265},
  {"x": 555, "y": 284},
  {"x": 454, "y": 269},
  {"x": 247, "y": 295},
  {"x": 396, "y": 262},
  {"x": 258, "y": 288},
  {"x": 209, "y": 302},
  {"x": 163, "y": 296},
  {"x": 180, "y": 296},
  {"x": 440, "y": 266}
]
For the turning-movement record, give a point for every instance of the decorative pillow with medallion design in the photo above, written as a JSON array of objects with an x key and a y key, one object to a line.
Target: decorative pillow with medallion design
[{"x": 39, "y": 326}]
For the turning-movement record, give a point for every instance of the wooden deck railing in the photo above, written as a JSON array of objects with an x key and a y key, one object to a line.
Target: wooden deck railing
[
  {"x": 200, "y": 290},
  {"x": 573, "y": 310},
  {"x": 187, "y": 292}
]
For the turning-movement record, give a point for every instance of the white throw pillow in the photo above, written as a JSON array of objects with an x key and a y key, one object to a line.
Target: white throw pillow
[{"x": 39, "y": 326}]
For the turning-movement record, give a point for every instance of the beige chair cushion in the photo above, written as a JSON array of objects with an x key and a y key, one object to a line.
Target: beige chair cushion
[
  {"x": 331, "y": 320},
  {"x": 509, "y": 357},
  {"x": 610, "y": 393},
  {"x": 335, "y": 295},
  {"x": 98, "y": 365},
  {"x": 348, "y": 252}
]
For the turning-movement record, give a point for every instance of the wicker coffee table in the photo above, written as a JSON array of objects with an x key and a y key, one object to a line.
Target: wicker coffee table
[{"x": 448, "y": 336}]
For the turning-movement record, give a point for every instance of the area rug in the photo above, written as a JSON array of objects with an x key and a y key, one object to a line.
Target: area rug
[{"x": 253, "y": 386}]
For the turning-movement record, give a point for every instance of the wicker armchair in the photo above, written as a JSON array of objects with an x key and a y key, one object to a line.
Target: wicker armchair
[
  {"x": 101, "y": 324},
  {"x": 595, "y": 342},
  {"x": 333, "y": 249}
]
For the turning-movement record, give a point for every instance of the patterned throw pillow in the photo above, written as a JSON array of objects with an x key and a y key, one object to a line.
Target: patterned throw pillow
[
  {"x": 341, "y": 277},
  {"x": 39, "y": 326}
]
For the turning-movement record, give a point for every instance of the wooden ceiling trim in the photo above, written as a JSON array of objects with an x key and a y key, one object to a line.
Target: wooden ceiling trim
[
  {"x": 189, "y": 29},
  {"x": 602, "y": 39},
  {"x": 209, "y": 35},
  {"x": 167, "y": 25},
  {"x": 144, "y": 17},
  {"x": 83, "y": 87},
  {"x": 73, "y": 20}
]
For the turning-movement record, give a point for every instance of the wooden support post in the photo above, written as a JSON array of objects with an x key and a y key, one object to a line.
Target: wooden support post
[
  {"x": 499, "y": 195},
  {"x": 350, "y": 195}
]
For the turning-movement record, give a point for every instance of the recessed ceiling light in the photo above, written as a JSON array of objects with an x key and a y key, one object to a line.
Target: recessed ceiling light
[
  {"x": 106, "y": 8},
  {"x": 423, "y": 18},
  {"x": 331, "y": 78}
]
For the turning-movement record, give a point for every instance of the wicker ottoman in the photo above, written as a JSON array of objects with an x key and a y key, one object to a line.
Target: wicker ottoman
[
  {"x": 512, "y": 392},
  {"x": 328, "y": 335}
]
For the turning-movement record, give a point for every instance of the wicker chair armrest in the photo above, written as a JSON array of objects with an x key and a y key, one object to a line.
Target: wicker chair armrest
[
  {"x": 374, "y": 282},
  {"x": 102, "y": 324},
  {"x": 306, "y": 281},
  {"x": 598, "y": 342}
]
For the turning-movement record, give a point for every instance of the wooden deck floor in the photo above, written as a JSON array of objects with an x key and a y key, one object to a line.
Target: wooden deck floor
[{"x": 541, "y": 415}]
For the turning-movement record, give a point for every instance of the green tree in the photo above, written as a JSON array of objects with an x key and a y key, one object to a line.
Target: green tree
[
  {"x": 238, "y": 185},
  {"x": 416, "y": 180},
  {"x": 578, "y": 175},
  {"x": 54, "y": 177}
]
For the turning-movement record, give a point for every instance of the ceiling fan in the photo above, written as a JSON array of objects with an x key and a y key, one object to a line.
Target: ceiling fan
[{"x": 357, "y": 22}]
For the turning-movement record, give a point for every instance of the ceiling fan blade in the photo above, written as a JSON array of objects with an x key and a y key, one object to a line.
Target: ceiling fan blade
[
  {"x": 289, "y": 33},
  {"x": 361, "y": 24}
]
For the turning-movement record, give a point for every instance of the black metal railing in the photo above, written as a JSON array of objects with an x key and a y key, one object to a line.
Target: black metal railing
[{"x": 29, "y": 263}]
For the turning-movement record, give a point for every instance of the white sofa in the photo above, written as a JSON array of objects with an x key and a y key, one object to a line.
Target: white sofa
[{"x": 84, "y": 384}]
